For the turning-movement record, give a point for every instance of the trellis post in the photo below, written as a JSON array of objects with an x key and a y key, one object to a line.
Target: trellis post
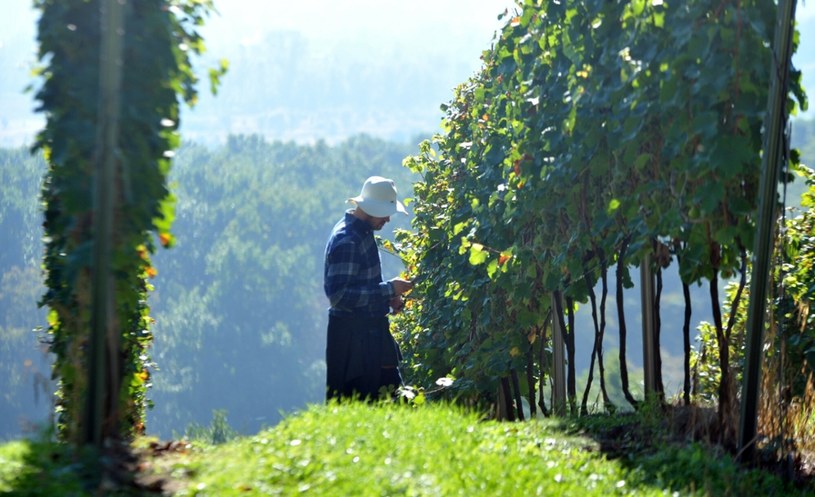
[
  {"x": 102, "y": 389},
  {"x": 648, "y": 341},
  {"x": 558, "y": 362},
  {"x": 774, "y": 124}
]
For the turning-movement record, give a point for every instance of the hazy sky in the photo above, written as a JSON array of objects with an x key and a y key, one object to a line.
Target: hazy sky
[
  {"x": 463, "y": 26},
  {"x": 409, "y": 23},
  {"x": 416, "y": 21},
  {"x": 451, "y": 30}
]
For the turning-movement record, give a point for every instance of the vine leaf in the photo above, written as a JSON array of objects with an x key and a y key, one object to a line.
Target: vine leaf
[{"x": 477, "y": 254}]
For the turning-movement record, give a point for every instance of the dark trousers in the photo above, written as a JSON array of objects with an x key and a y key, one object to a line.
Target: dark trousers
[{"x": 361, "y": 358}]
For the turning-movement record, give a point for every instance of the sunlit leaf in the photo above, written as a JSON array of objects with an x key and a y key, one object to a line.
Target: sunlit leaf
[
  {"x": 492, "y": 267},
  {"x": 477, "y": 254}
]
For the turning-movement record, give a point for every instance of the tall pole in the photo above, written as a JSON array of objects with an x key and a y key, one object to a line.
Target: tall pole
[
  {"x": 101, "y": 392},
  {"x": 648, "y": 340},
  {"x": 774, "y": 124},
  {"x": 558, "y": 358}
]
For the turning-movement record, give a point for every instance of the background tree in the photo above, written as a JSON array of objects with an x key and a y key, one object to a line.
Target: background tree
[{"x": 25, "y": 387}]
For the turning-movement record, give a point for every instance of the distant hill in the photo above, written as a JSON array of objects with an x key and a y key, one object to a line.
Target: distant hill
[{"x": 290, "y": 85}]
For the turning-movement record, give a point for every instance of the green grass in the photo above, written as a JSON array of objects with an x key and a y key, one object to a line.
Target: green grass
[{"x": 434, "y": 450}]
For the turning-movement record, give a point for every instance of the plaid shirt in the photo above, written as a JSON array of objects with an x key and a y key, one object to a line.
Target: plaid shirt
[{"x": 353, "y": 272}]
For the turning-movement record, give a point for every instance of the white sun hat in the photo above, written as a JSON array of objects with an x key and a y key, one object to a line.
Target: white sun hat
[{"x": 378, "y": 198}]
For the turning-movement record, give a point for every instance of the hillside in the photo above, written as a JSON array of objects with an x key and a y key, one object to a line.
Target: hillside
[
  {"x": 236, "y": 317},
  {"x": 431, "y": 450},
  {"x": 203, "y": 302}
]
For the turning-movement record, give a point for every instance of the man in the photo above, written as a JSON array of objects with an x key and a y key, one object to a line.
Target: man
[{"x": 361, "y": 355}]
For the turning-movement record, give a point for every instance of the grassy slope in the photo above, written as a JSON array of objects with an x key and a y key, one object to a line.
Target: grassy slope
[{"x": 363, "y": 450}]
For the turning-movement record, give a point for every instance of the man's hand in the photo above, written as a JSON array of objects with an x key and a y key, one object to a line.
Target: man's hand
[
  {"x": 400, "y": 286},
  {"x": 397, "y": 304}
]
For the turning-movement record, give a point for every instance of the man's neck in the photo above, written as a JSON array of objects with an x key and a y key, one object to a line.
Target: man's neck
[{"x": 360, "y": 214}]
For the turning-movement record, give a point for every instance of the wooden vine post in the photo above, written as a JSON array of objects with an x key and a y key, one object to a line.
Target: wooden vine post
[
  {"x": 774, "y": 125},
  {"x": 558, "y": 362},
  {"x": 104, "y": 350},
  {"x": 647, "y": 299}
]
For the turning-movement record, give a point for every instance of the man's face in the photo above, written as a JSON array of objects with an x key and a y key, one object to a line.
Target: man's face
[{"x": 376, "y": 223}]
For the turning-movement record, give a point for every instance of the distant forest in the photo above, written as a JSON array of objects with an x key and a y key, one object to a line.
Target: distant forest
[
  {"x": 239, "y": 306},
  {"x": 238, "y": 302}
]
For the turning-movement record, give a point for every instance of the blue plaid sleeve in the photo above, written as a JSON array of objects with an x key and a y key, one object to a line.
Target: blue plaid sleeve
[{"x": 346, "y": 283}]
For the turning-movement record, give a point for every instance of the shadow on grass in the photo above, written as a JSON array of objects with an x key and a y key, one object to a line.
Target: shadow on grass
[
  {"x": 43, "y": 468},
  {"x": 673, "y": 449}
]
